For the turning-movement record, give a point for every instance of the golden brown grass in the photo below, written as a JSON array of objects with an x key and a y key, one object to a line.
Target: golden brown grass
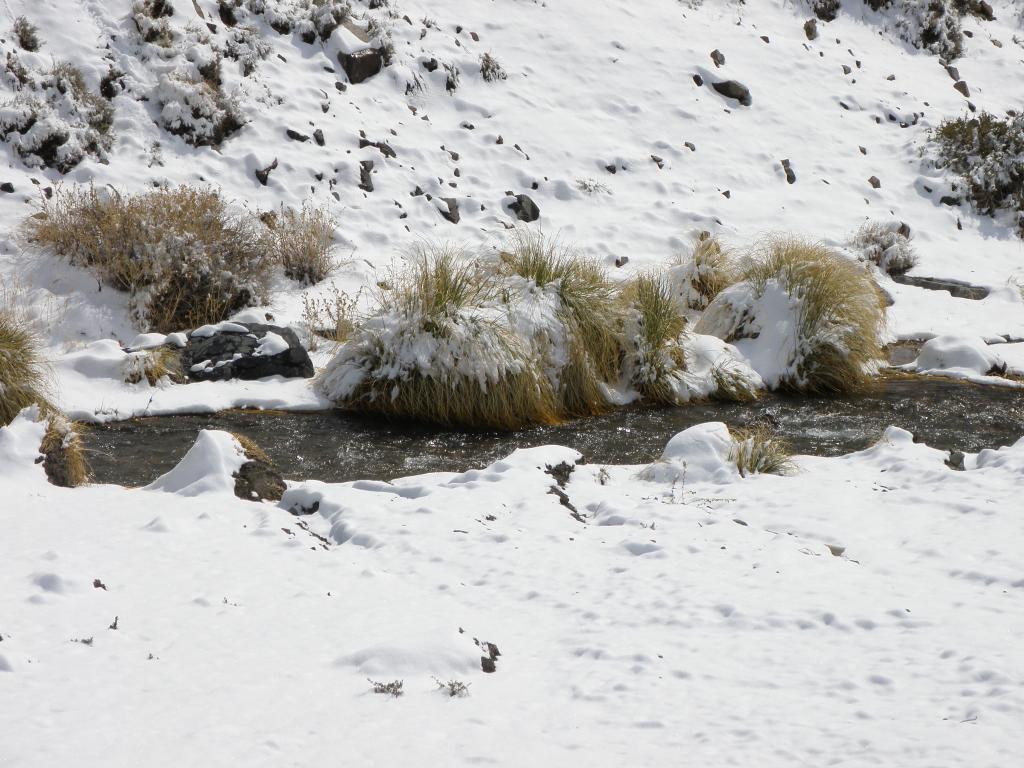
[
  {"x": 64, "y": 453},
  {"x": 186, "y": 258},
  {"x": 153, "y": 365},
  {"x": 589, "y": 309},
  {"x": 302, "y": 242},
  {"x": 711, "y": 269},
  {"x": 330, "y": 316},
  {"x": 653, "y": 352},
  {"x": 24, "y": 376},
  {"x": 731, "y": 386},
  {"x": 252, "y": 451},
  {"x": 756, "y": 450},
  {"x": 841, "y": 312}
]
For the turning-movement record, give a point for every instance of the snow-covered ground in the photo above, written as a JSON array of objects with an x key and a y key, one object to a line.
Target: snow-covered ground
[
  {"x": 600, "y": 121},
  {"x": 865, "y": 610},
  {"x": 862, "y": 611}
]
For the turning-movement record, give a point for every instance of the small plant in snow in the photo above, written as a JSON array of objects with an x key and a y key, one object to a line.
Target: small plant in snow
[
  {"x": 758, "y": 451},
  {"x": 302, "y": 242},
  {"x": 589, "y": 186},
  {"x": 988, "y": 154},
  {"x": 394, "y": 688},
  {"x": 198, "y": 112},
  {"x": 655, "y": 360},
  {"x": 490, "y": 69},
  {"x": 330, "y": 315},
  {"x": 887, "y": 244},
  {"x": 246, "y": 46},
  {"x": 703, "y": 273},
  {"x": 27, "y": 34},
  {"x": 454, "y": 688}
]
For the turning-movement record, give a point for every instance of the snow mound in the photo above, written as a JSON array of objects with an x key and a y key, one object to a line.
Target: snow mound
[
  {"x": 208, "y": 467},
  {"x": 698, "y": 454}
]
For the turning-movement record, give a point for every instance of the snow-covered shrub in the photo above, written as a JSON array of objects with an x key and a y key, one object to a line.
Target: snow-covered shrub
[
  {"x": 247, "y": 47},
  {"x": 195, "y": 110},
  {"x": 988, "y": 153},
  {"x": 811, "y": 317},
  {"x": 27, "y": 34},
  {"x": 568, "y": 308},
  {"x": 63, "y": 452},
  {"x": 756, "y": 450},
  {"x": 440, "y": 349},
  {"x": 932, "y": 25},
  {"x": 153, "y": 365},
  {"x": 654, "y": 359},
  {"x": 23, "y": 373},
  {"x": 184, "y": 256},
  {"x": 329, "y": 315},
  {"x": 826, "y": 10},
  {"x": 309, "y": 18},
  {"x": 55, "y": 121},
  {"x": 302, "y": 242},
  {"x": 150, "y": 19},
  {"x": 490, "y": 69},
  {"x": 703, "y": 273},
  {"x": 887, "y": 244}
]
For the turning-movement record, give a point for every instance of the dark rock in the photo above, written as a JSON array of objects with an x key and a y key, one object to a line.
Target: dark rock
[
  {"x": 733, "y": 89},
  {"x": 430, "y": 65},
  {"x": 524, "y": 208},
  {"x": 295, "y": 135},
  {"x": 874, "y": 182},
  {"x": 811, "y": 29},
  {"x": 953, "y": 72},
  {"x": 890, "y": 78},
  {"x": 847, "y": 69},
  {"x": 956, "y": 288},
  {"x": 450, "y": 210},
  {"x": 698, "y": 80},
  {"x": 262, "y": 174},
  {"x": 611, "y": 168},
  {"x": 487, "y": 664},
  {"x": 659, "y": 161},
  {"x": 956, "y": 461},
  {"x": 727, "y": 194},
  {"x": 227, "y": 14},
  {"x": 7, "y": 187},
  {"x": 826, "y": 10},
  {"x": 362, "y": 65},
  {"x": 788, "y": 168},
  {"x": 381, "y": 146},
  {"x": 257, "y": 480},
  {"x": 318, "y": 137},
  {"x": 961, "y": 86},
  {"x": 949, "y": 200},
  {"x": 621, "y": 261},
  {"x": 718, "y": 57},
  {"x": 561, "y": 472},
  {"x": 690, "y": 146},
  {"x": 213, "y": 357},
  {"x": 765, "y": 39},
  {"x": 365, "y": 178}
]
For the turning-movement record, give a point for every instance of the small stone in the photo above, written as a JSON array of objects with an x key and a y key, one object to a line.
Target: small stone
[
  {"x": 847, "y": 69},
  {"x": 727, "y": 194},
  {"x": 660, "y": 162},
  {"x": 733, "y": 89},
  {"x": 263, "y": 174},
  {"x": 863, "y": 150},
  {"x": 718, "y": 57},
  {"x": 450, "y": 210},
  {"x": 961, "y": 86},
  {"x": 524, "y": 208},
  {"x": 621, "y": 261},
  {"x": 811, "y": 29},
  {"x": 295, "y": 135},
  {"x": 690, "y": 146},
  {"x": 7, "y": 187},
  {"x": 318, "y": 137},
  {"x": 874, "y": 182},
  {"x": 790, "y": 175},
  {"x": 698, "y": 80},
  {"x": 365, "y": 178},
  {"x": 953, "y": 72}
]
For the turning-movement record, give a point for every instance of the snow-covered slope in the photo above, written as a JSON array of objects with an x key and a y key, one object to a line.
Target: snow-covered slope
[{"x": 599, "y": 120}]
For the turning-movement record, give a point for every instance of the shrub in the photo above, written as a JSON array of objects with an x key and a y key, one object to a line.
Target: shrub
[
  {"x": 330, "y": 316},
  {"x": 394, "y": 688},
  {"x": 490, "y": 69},
  {"x": 56, "y": 121},
  {"x": 182, "y": 254},
  {"x": 654, "y": 357},
  {"x": 826, "y": 10},
  {"x": 758, "y": 451},
  {"x": 198, "y": 111},
  {"x": 580, "y": 344},
  {"x": 153, "y": 365},
  {"x": 829, "y": 339},
  {"x": 702, "y": 274},
  {"x": 988, "y": 154},
  {"x": 64, "y": 453},
  {"x": 933, "y": 25},
  {"x": 23, "y": 373},
  {"x": 27, "y": 34},
  {"x": 887, "y": 244},
  {"x": 302, "y": 242},
  {"x": 440, "y": 349}
]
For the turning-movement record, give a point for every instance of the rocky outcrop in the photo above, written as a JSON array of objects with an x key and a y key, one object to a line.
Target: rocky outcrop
[
  {"x": 244, "y": 351},
  {"x": 362, "y": 65}
]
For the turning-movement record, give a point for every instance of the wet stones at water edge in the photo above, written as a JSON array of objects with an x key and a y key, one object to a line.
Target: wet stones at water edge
[{"x": 244, "y": 351}]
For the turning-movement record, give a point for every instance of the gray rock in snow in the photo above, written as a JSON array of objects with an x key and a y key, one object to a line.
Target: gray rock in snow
[
  {"x": 228, "y": 354},
  {"x": 733, "y": 89},
  {"x": 524, "y": 208},
  {"x": 362, "y": 65}
]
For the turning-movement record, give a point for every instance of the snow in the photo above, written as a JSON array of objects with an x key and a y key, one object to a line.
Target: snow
[
  {"x": 967, "y": 358},
  {"x": 863, "y": 607},
  {"x": 206, "y": 468},
  {"x": 271, "y": 344}
]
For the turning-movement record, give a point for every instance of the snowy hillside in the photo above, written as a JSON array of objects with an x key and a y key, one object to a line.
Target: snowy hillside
[{"x": 780, "y": 189}]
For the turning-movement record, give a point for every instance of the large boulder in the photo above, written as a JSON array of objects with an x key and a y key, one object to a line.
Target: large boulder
[
  {"x": 244, "y": 351},
  {"x": 362, "y": 65}
]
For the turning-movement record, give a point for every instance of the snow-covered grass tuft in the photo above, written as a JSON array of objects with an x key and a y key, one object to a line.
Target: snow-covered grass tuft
[
  {"x": 490, "y": 69},
  {"x": 185, "y": 256},
  {"x": 64, "y": 452},
  {"x": 302, "y": 242},
  {"x": 27, "y": 34},
  {"x": 24, "y": 377},
  {"x": 887, "y": 244},
  {"x": 732, "y": 383},
  {"x": 153, "y": 365},
  {"x": 812, "y": 317},
  {"x": 654, "y": 359},
  {"x": 988, "y": 154},
  {"x": 756, "y": 450},
  {"x": 703, "y": 273},
  {"x": 580, "y": 345},
  {"x": 440, "y": 349}
]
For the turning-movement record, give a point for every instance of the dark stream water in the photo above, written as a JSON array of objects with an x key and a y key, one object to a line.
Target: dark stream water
[{"x": 335, "y": 446}]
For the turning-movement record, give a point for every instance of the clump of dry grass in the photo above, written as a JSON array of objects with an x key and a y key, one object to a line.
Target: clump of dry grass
[
  {"x": 251, "y": 449},
  {"x": 707, "y": 270},
  {"x": 588, "y": 310},
  {"x": 153, "y": 365},
  {"x": 182, "y": 253},
  {"x": 490, "y": 69},
  {"x": 757, "y": 450},
  {"x": 330, "y": 316},
  {"x": 654, "y": 355},
  {"x": 440, "y": 350},
  {"x": 24, "y": 377},
  {"x": 731, "y": 385},
  {"x": 839, "y": 313},
  {"x": 64, "y": 454},
  {"x": 887, "y": 244},
  {"x": 302, "y": 242},
  {"x": 27, "y": 34}
]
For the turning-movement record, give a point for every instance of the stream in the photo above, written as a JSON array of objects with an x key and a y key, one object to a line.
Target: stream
[{"x": 336, "y": 446}]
